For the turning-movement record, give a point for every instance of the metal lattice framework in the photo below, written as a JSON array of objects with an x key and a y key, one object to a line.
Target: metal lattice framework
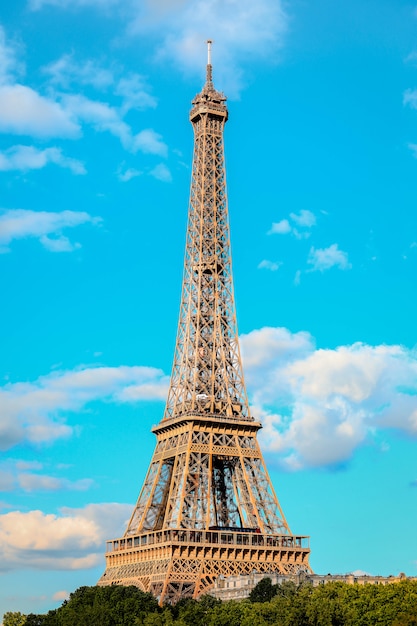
[
  {"x": 207, "y": 373},
  {"x": 207, "y": 507}
]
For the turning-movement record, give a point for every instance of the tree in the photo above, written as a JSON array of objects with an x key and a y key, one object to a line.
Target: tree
[
  {"x": 39, "y": 620},
  {"x": 405, "y": 620},
  {"x": 100, "y": 606},
  {"x": 14, "y": 619},
  {"x": 263, "y": 592},
  {"x": 226, "y": 614},
  {"x": 193, "y": 612}
]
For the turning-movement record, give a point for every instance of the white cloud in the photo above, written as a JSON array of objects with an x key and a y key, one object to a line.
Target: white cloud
[
  {"x": 241, "y": 29},
  {"x": 318, "y": 406},
  {"x": 73, "y": 539},
  {"x": 30, "y": 158},
  {"x": 325, "y": 258},
  {"x": 360, "y": 572},
  {"x": 29, "y": 465},
  {"x": 161, "y": 172},
  {"x": 410, "y": 98},
  {"x": 413, "y": 148},
  {"x": 273, "y": 266},
  {"x": 33, "y": 412},
  {"x": 25, "y": 112},
  {"x": 156, "y": 390},
  {"x": 135, "y": 93},
  {"x": 60, "y": 595},
  {"x": 18, "y": 474},
  {"x": 65, "y": 71},
  {"x": 128, "y": 174},
  {"x": 9, "y": 65},
  {"x": 304, "y": 220},
  {"x": 72, "y": 4},
  {"x": 22, "y": 223},
  {"x": 150, "y": 142},
  {"x": 59, "y": 244},
  {"x": 280, "y": 228},
  {"x": 104, "y": 117},
  {"x": 43, "y": 482},
  {"x": 271, "y": 347},
  {"x": 7, "y": 481},
  {"x": 100, "y": 115},
  {"x": 132, "y": 88}
]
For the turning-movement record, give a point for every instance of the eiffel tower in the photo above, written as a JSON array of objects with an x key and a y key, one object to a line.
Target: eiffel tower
[{"x": 207, "y": 507}]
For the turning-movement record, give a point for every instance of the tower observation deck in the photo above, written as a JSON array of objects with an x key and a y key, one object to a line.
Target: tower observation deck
[{"x": 207, "y": 506}]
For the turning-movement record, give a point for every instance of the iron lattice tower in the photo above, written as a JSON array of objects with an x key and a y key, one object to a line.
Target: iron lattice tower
[{"x": 207, "y": 507}]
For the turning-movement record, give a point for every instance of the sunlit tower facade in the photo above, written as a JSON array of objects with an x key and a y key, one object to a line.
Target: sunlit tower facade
[{"x": 207, "y": 507}]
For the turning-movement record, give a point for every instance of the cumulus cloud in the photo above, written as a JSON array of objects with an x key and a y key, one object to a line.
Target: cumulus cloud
[
  {"x": 410, "y": 98},
  {"x": 304, "y": 218},
  {"x": 100, "y": 115},
  {"x": 64, "y": 4},
  {"x": 72, "y": 539},
  {"x": 149, "y": 142},
  {"x": 161, "y": 172},
  {"x": 30, "y": 158},
  {"x": 273, "y": 266},
  {"x": 27, "y": 477},
  {"x": 22, "y": 224},
  {"x": 105, "y": 118},
  {"x": 135, "y": 93},
  {"x": 318, "y": 406},
  {"x": 411, "y": 58},
  {"x": 59, "y": 244},
  {"x": 125, "y": 176},
  {"x": 241, "y": 29},
  {"x": 280, "y": 228},
  {"x": 9, "y": 64},
  {"x": 43, "y": 482},
  {"x": 269, "y": 348},
  {"x": 413, "y": 148},
  {"x": 323, "y": 259},
  {"x": 66, "y": 71},
  {"x": 131, "y": 89},
  {"x": 299, "y": 225},
  {"x": 34, "y": 412},
  {"x": 23, "y": 111},
  {"x": 28, "y": 465},
  {"x": 7, "y": 481},
  {"x": 60, "y": 595}
]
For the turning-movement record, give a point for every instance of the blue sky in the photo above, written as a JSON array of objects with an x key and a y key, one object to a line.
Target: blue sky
[{"x": 95, "y": 157}]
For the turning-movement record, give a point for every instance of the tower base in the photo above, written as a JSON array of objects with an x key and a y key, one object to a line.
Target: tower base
[{"x": 178, "y": 563}]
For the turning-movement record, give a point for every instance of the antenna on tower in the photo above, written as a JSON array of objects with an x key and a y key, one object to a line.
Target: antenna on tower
[{"x": 209, "y": 78}]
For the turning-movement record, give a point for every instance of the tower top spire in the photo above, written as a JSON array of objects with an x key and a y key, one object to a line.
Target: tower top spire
[
  {"x": 209, "y": 71},
  {"x": 208, "y": 95}
]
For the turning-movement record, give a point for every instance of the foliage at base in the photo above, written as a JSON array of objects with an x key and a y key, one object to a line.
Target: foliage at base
[{"x": 332, "y": 604}]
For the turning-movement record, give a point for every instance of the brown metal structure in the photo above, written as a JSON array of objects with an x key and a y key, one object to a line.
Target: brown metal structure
[{"x": 207, "y": 507}]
